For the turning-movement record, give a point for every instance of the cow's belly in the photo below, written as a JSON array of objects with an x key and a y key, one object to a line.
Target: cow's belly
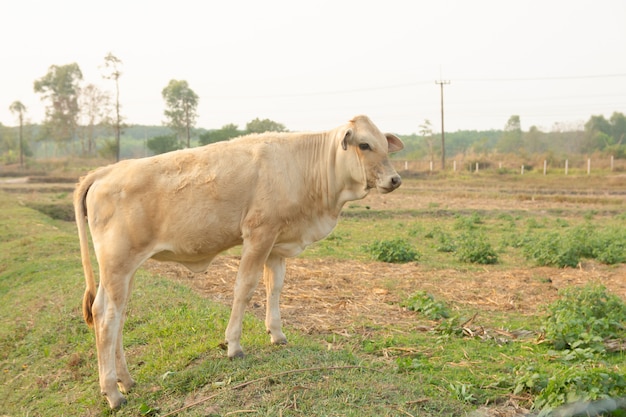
[{"x": 295, "y": 238}]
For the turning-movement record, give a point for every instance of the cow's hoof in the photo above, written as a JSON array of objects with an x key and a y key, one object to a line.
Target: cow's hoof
[
  {"x": 282, "y": 341},
  {"x": 277, "y": 338},
  {"x": 234, "y": 350},
  {"x": 126, "y": 386},
  {"x": 116, "y": 400},
  {"x": 236, "y": 355}
]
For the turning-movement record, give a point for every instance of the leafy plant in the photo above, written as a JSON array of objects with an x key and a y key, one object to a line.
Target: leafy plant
[
  {"x": 396, "y": 250},
  {"x": 567, "y": 249},
  {"x": 474, "y": 248},
  {"x": 425, "y": 303},
  {"x": 462, "y": 391},
  {"x": 610, "y": 247},
  {"x": 582, "y": 383},
  {"x": 583, "y": 317},
  {"x": 468, "y": 222}
]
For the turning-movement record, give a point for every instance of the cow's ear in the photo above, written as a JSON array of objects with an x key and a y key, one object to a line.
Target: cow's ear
[
  {"x": 346, "y": 138},
  {"x": 394, "y": 143}
]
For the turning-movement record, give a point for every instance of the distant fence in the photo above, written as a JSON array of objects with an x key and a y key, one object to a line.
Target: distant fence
[{"x": 564, "y": 167}]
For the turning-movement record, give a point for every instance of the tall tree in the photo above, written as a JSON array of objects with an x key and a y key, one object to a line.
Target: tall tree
[
  {"x": 597, "y": 134},
  {"x": 511, "y": 140},
  {"x": 532, "y": 140},
  {"x": 95, "y": 108},
  {"x": 112, "y": 66},
  {"x": 18, "y": 108},
  {"x": 181, "y": 102},
  {"x": 618, "y": 127},
  {"x": 426, "y": 132},
  {"x": 61, "y": 87},
  {"x": 265, "y": 125}
]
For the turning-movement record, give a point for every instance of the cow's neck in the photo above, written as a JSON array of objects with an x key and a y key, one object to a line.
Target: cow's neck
[{"x": 330, "y": 180}]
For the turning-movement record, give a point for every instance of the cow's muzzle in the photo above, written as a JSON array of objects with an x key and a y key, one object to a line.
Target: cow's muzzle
[{"x": 390, "y": 184}]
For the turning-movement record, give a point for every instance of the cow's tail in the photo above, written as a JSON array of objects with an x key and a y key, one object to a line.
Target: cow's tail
[{"x": 80, "y": 211}]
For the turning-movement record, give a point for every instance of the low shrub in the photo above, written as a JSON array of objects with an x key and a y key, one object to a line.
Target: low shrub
[
  {"x": 393, "y": 251},
  {"x": 569, "y": 248},
  {"x": 583, "y": 317},
  {"x": 474, "y": 248},
  {"x": 425, "y": 303}
]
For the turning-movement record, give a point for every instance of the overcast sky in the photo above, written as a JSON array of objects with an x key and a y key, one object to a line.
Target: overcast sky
[{"x": 312, "y": 65}]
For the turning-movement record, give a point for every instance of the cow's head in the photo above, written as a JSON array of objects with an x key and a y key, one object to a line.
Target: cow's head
[{"x": 367, "y": 151}]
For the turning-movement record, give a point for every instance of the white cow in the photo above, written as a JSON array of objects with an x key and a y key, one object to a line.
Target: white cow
[{"x": 273, "y": 193}]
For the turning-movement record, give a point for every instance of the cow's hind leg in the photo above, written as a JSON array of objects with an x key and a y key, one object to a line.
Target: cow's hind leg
[
  {"x": 108, "y": 314},
  {"x": 124, "y": 380},
  {"x": 274, "y": 276}
]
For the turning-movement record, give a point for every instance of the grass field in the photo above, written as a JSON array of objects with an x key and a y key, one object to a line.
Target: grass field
[{"x": 439, "y": 336}]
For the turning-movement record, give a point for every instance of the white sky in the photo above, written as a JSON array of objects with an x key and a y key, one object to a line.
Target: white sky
[{"x": 312, "y": 65}]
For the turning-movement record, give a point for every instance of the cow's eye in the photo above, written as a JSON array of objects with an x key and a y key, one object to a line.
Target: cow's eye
[{"x": 364, "y": 146}]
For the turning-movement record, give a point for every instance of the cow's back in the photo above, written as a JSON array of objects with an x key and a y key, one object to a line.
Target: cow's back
[
  {"x": 186, "y": 204},
  {"x": 189, "y": 205}
]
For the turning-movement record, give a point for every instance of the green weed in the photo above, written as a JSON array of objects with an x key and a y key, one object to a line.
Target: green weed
[
  {"x": 583, "y": 317},
  {"x": 425, "y": 303},
  {"x": 473, "y": 247},
  {"x": 393, "y": 251}
]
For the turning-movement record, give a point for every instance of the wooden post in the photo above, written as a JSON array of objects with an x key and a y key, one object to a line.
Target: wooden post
[
  {"x": 566, "y": 166},
  {"x": 612, "y": 160},
  {"x": 522, "y": 169},
  {"x": 589, "y": 166},
  {"x": 476, "y": 166},
  {"x": 431, "y": 166},
  {"x": 406, "y": 165},
  {"x": 454, "y": 165},
  {"x": 545, "y": 166}
]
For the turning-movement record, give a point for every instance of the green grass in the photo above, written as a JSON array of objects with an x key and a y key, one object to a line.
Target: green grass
[
  {"x": 172, "y": 335},
  {"x": 460, "y": 240},
  {"x": 172, "y": 339}
]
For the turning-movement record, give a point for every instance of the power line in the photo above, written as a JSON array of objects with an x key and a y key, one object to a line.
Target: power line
[
  {"x": 547, "y": 78},
  {"x": 417, "y": 83}
]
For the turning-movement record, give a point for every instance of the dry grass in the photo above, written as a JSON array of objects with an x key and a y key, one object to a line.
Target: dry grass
[{"x": 324, "y": 296}]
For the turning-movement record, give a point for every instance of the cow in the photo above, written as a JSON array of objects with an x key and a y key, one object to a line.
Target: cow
[{"x": 273, "y": 193}]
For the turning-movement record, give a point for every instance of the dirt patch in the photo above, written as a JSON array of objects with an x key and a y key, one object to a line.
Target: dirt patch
[
  {"x": 335, "y": 296},
  {"x": 328, "y": 295}
]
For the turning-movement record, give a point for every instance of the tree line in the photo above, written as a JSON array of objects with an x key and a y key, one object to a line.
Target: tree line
[
  {"x": 598, "y": 134},
  {"x": 78, "y": 114}
]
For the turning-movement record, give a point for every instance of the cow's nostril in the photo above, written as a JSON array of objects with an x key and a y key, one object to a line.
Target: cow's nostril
[{"x": 396, "y": 181}]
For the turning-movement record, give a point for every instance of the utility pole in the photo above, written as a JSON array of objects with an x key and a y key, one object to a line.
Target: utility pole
[{"x": 443, "y": 140}]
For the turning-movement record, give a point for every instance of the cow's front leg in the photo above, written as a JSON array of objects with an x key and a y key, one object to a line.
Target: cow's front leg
[
  {"x": 274, "y": 276},
  {"x": 253, "y": 257}
]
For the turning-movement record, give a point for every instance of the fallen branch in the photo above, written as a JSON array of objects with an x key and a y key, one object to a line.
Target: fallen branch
[{"x": 245, "y": 384}]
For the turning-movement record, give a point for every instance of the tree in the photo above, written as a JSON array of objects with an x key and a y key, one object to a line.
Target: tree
[
  {"x": 601, "y": 134},
  {"x": 618, "y": 127},
  {"x": 426, "y": 132},
  {"x": 533, "y": 142},
  {"x": 95, "y": 106},
  {"x": 112, "y": 66},
  {"x": 181, "y": 102},
  {"x": 511, "y": 140},
  {"x": 163, "y": 144},
  {"x": 60, "y": 86},
  {"x": 265, "y": 125},
  {"x": 226, "y": 132},
  {"x": 597, "y": 134},
  {"x": 18, "y": 108}
]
